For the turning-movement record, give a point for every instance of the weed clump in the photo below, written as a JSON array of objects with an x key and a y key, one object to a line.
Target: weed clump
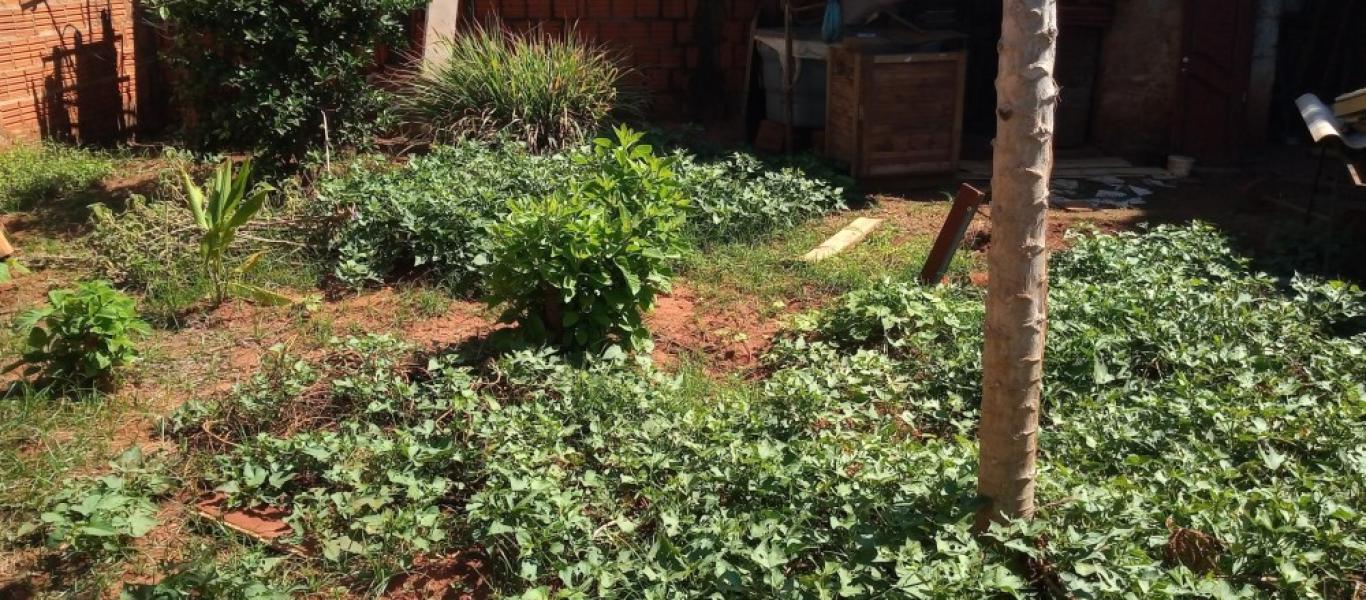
[{"x": 33, "y": 175}]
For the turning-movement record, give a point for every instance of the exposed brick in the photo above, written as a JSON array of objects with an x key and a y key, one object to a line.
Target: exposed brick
[
  {"x": 656, "y": 80},
  {"x": 645, "y": 57},
  {"x": 647, "y": 9},
  {"x": 673, "y": 9},
  {"x": 486, "y": 11},
  {"x": 733, "y": 31},
  {"x": 623, "y": 9},
  {"x": 512, "y": 9},
  {"x": 567, "y": 9},
  {"x": 587, "y": 31},
  {"x": 599, "y": 9},
  {"x": 39, "y": 42},
  {"x": 683, "y": 32},
  {"x": 636, "y": 33},
  {"x": 671, "y": 57},
  {"x": 678, "y": 80},
  {"x": 538, "y": 9}
]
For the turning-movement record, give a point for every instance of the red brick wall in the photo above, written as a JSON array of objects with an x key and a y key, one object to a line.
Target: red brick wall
[
  {"x": 688, "y": 54},
  {"x": 66, "y": 69}
]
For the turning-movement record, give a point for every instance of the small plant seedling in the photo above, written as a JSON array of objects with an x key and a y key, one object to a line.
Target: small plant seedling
[{"x": 219, "y": 212}]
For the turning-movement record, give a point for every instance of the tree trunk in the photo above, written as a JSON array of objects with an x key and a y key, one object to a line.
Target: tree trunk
[
  {"x": 1017, "y": 260},
  {"x": 5, "y": 248}
]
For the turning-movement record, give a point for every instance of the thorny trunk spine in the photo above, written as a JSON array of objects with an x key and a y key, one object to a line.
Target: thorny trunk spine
[{"x": 1017, "y": 261}]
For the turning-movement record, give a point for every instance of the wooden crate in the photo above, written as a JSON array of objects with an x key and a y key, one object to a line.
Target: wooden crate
[{"x": 894, "y": 114}]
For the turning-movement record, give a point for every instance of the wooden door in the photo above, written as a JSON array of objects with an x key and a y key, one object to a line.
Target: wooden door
[{"x": 1215, "y": 68}]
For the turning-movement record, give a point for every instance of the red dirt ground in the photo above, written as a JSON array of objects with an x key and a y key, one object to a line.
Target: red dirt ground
[
  {"x": 727, "y": 339},
  {"x": 462, "y": 576}
]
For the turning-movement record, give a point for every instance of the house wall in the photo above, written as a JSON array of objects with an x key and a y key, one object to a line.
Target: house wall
[
  {"x": 1137, "y": 87},
  {"x": 67, "y": 69},
  {"x": 688, "y": 54}
]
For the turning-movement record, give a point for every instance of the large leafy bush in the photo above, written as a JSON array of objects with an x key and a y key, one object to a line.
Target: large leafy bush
[
  {"x": 263, "y": 74},
  {"x": 579, "y": 268},
  {"x": 546, "y": 91},
  {"x": 82, "y": 335}
]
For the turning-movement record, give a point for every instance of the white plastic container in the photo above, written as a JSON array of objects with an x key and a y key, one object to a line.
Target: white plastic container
[{"x": 1180, "y": 166}]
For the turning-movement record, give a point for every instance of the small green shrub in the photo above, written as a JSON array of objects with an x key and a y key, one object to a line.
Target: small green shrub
[
  {"x": 31, "y": 175},
  {"x": 580, "y": 268},
  {"x": 431, "y": 214},
  {"x": 156, "y": 246},
  {"x": 82, "y": 335},
  {"x": 281, "y": 76},
  {"x": 546, "y": 91},
  {"x": 103, "y": 514}
]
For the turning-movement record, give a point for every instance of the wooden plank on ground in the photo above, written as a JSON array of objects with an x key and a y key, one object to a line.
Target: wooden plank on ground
[
  {"x": 265, "y": 525},
  {"x": 1350, "y": 104},
  {"x": 852, "y": 233}
]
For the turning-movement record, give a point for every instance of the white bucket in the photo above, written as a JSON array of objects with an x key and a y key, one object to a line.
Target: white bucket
[{"x": 1180, "y": 166}]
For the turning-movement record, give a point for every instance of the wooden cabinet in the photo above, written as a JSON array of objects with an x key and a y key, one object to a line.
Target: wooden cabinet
[{"x": 894, "y": 114}]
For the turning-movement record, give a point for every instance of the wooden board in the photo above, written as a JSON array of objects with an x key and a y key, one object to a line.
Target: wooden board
[
  {"x": 1350, "y": 104},
  {"x": 852, "y": 233}
]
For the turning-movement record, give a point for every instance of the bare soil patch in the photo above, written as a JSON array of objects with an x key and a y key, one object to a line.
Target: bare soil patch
[
  {"x": 462, "y": 576},
  {"x": 729, "y": 338}
]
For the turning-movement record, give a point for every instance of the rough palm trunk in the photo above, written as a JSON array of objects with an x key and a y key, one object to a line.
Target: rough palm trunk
[
  {"x": 5, "y": 248},
  {"x": 1017, "y": 261}
]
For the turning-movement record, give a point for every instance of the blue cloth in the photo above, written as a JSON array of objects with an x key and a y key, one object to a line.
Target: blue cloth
[{"x": 832, "y": 29}]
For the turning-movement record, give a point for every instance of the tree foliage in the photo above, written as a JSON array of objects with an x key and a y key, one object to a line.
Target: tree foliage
[{"x": 264, "y": 74}]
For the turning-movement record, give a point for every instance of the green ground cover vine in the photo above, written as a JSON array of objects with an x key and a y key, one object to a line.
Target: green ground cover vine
[
  {"x": 432, "y": 214},
  {"x": 1203, "y": 436}
]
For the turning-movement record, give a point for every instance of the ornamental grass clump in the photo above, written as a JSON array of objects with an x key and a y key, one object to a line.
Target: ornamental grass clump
[{"x": 549, "y": 91}]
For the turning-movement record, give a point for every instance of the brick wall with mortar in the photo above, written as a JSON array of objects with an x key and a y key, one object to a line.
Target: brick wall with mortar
[
  {"x": 689, "y": 55},
  {"x": 67, "y": 69}
]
